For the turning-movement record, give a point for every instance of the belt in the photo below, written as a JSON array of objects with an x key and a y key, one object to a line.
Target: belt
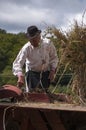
[{"x": 38, "y": 71}]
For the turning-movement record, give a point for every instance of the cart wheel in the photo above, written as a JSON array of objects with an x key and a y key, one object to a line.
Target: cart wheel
[{"x": 12, "y": 125}]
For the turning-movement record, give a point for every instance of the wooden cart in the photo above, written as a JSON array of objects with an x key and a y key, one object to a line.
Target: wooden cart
[{"x": 35, "y": 111}]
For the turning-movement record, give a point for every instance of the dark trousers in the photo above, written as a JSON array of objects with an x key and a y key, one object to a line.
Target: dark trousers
[{"x": 33, "y": 79}]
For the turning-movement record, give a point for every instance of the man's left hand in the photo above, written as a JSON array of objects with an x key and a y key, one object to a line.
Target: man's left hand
[{"x": 51, "y": 75}]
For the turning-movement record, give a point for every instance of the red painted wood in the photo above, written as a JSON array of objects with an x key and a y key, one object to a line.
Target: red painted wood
[
  {"x": 54, "y": 120},
  {"x": 10, "y": 91},
  {"x": 37, "y": 121},
  {"x": 38, "y": 97}
]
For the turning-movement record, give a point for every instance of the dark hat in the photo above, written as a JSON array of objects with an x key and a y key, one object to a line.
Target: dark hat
[{"x": 32, "y": 31}]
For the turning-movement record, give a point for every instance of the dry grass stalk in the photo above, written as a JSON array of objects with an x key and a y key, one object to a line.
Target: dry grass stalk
[{"x": 72, "y": 51}]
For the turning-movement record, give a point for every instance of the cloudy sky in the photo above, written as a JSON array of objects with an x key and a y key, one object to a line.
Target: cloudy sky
[{"x": 17, "y": 15}]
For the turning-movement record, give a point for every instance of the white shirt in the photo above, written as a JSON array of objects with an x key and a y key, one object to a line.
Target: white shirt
[{"x": 44, "y": 57}]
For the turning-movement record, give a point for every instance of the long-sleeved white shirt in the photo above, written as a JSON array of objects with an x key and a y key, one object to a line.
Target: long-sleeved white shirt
[{"x": 36, "y": 58}]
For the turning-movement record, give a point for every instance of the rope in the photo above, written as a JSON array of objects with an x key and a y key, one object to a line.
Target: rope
[
  {"x": 4, "y": 114},
  {"x": 40, "y": 82}
]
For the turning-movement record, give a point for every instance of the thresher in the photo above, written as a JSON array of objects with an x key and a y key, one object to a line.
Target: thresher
[{"x": 38, "y": 111}]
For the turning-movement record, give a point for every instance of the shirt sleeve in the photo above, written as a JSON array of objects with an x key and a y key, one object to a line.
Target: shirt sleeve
[
  {"x": 53, "y": 57},
  {"x": 19, "y": 62}
]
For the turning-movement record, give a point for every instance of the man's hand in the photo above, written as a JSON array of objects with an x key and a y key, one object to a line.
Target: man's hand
[
  {"x": 51, "y": 75},
  {"x": 20, "y": 81}
]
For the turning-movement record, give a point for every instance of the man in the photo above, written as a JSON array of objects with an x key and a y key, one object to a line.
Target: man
[{"x": 40, "y": 57}]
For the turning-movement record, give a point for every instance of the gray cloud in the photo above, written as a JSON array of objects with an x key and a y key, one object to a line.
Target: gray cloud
[{"x": 16, "y": 15}]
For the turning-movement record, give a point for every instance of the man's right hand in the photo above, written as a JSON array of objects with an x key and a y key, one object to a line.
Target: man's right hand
[{"x": 20, "y": 81}]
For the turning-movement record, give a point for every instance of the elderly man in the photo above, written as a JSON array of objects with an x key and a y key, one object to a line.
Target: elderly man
[{"x": 40, "y": 57}]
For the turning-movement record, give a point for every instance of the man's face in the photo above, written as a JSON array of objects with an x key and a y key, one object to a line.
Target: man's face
[{"x": 36, "y": 40}]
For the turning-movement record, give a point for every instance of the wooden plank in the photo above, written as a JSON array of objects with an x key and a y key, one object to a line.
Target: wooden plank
[
  {"x": 37, "y": 97},
  {"x": 54, "y": 120},
  {"x": 37, "y": 120},
  {"x": 46, "y": 106},
  {"x": 1, "y": 119}
]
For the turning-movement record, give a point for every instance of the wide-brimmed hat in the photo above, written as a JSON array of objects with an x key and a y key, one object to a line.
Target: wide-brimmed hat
[{"x": 32, "y": 31}]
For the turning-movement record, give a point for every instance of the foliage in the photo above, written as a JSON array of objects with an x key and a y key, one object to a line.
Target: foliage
[{"x": 10, "y": 44}]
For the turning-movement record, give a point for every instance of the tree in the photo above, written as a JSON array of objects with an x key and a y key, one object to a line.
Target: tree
[{"x": 2, "y": 31}]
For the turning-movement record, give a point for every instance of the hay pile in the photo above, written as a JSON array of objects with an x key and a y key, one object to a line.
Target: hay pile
[{"x": 72, "y": 54}]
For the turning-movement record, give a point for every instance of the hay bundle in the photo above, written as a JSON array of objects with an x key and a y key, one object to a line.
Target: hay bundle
[{"x": 73, "y": 55}]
